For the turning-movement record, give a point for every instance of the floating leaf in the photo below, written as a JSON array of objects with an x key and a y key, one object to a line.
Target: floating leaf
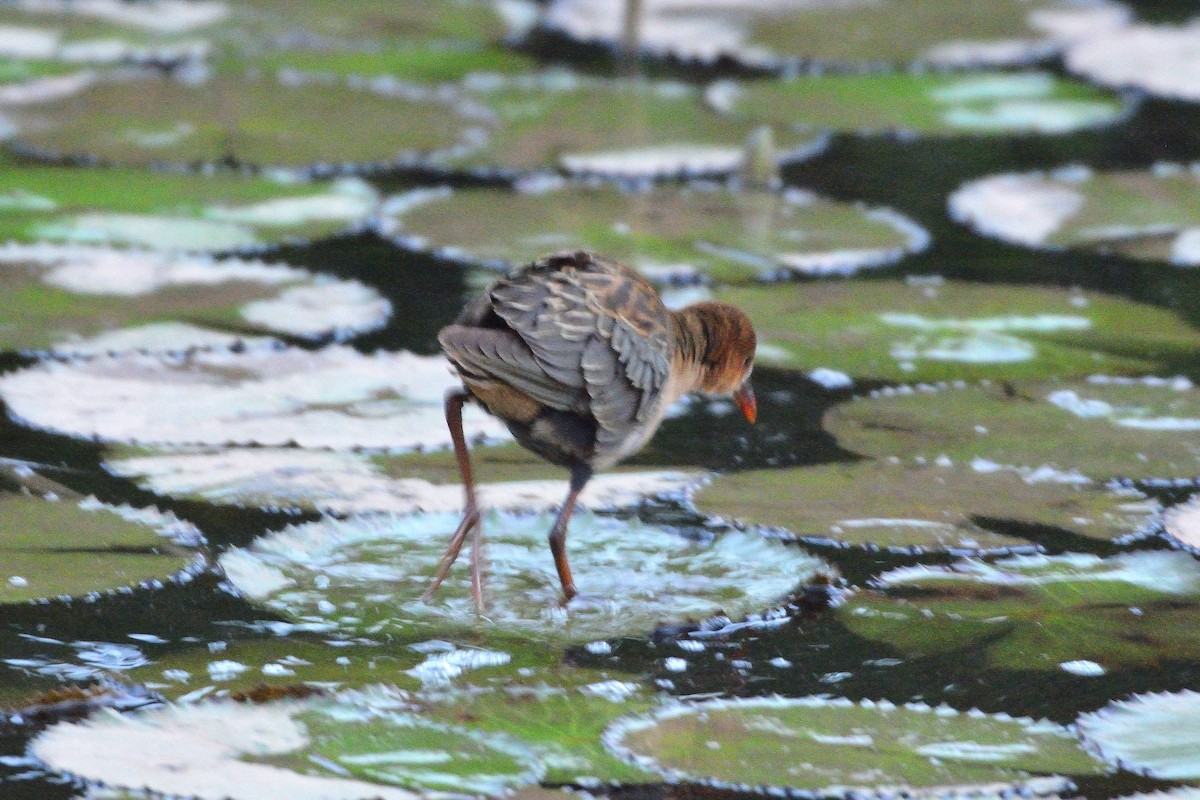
[
  {"x": 617, "y": 129},
  {"x": 385, "y": 22},
  {"x": 1160, "y": 59},
  {"x": 334, "y": 397},
  {"x": 206, "y": 751},
  {"x": 353, "y": 483},
  {"x": 67, "y": 547},
  {"x": 411, "y": 751},
  {"x": 932, "y": 507},
  {"x": 898, "y": 31},
  {"x": 364, "y": 576},
  {"x": 561, "y": 719},
  {"x": 930, "y": 329},
  {"x": 81, "y": 299},
  {"x": 1039, "y": 612},
  {"x": 102, "y": 17},
  {"x": 1148, "y": 214},
  {"x": 835, "y": 747},
  {"x": 1104, "y": 427},
  {"x": 1151, "y": 734},
  {"x": 415, "y": 63},
  {"x": 172, "y": 212},
  {"x": 1183, "y": 524},
  {"x": 664, "y": 232},
  {"x": 260, "y": 122},
  {"x": 987, "y": 102},
  {"x": 487, "y": 740},
  {"x": 25, "y": 82}
]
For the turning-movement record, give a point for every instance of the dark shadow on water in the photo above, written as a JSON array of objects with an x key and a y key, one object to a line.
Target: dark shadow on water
[
  {"x": 715, "y": 435},
  {"x": 426, "y": 293}
]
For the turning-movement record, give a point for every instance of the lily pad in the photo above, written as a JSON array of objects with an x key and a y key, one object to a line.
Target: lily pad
[
  {"x": 261, "y": 122},
  {"x": 335, "y": 397},
  {"x": 836, "y": 31},
  {"x": 1152, "y": 215},
  {"x": 619, "y": 129},
  {"x": 386, "y": 22},
  {"x": 561, "y": 719},
  {"x": 836, "y": 747},
  {"x": 1102, "y": 428},
  {"x": 173, "y": 212},
  {"x": 666, "y": 233},
  {"x": 102, "y": 17},
  {"x": 487, "y": 740},
  {"x": 926, "y": 508},
  {"x": 411, "y": 62},
  {"x": 1159, "y": 59},
  {"x": 68, "y": 547},
  {"x": 213, "y": 750},
  {"x": 931, "y": 103},
  {"x": 1039, "y": 612},
  {"x": 80, "y": 299},
  {"x": 365, "y": 575},
  {"x": 26, "y": 82},
  {"x": 928, "y": 329},
  {"x": 1151, "y": 734},
  {"x": 1182, "y": 523},
  {"x": 344, "y": 483}
]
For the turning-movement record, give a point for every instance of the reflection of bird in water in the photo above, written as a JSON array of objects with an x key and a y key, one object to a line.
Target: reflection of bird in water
[{"x": 580, "y": 358}]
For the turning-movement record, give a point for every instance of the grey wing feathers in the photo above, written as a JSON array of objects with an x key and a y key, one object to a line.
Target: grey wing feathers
[
  {"x": 596, "y": 328},
  {"x": 501, "y": 354}
]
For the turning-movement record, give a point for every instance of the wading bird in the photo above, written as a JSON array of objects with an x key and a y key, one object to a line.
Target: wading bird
[{"x": 580, "y": 358}]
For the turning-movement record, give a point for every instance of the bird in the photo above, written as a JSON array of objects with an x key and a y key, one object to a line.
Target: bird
[{"x": 578, "y": 356}]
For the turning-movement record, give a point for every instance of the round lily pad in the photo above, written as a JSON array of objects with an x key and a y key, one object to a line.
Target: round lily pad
[
  {"x": 666, "y": 232},
  {"x": 561, "y": 716},
  {"x": 1182, "y": 523},
  {"x": 173, "y": 212},
  {"x": 487, "y": 740},
  {"x": 928, "y": 329},
  {"x": 1152, "y": 215},
  {"x": 105, "y": 32},
  {"x": 423, "y": 63},
  {"x": 931, "y": 103},
  {"x": 334, "y": 397},
  {"x": 69, "y": 547},
  {"x": 344, "y": 483},
  {"x": 386, "y": 22},
  {"x": 103, "y": 18},
  {"x": 836, "y": 747},
  {"x": 1039, "y": 612},
  {"x": 1159, "y": 59},
  {"x": 26, "y": 82},
  {"x": 365, "y": 575},
  {"x": 261, "y": 122},
  {"x": 620, "y": 129},
  {"x": 217, "y": 751},
  {"x": 924, "y": 508},
  {"x": 82, "y": 299},
  {"x": 1151, "y": 734},
  {"x": 835, "y": 31},
  {"x": 1102, "y": 428}
]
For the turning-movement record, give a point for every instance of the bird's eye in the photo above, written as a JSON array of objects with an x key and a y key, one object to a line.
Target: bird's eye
[{"x": 748, "y": 362}]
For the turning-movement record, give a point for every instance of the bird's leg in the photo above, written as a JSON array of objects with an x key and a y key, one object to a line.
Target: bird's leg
[
  {"x": 580, "y": 475},
  {"x": 455, "y": 400}
]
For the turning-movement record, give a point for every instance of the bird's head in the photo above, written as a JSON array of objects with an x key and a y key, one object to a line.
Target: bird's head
[{"x": 727, "y": 357}]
